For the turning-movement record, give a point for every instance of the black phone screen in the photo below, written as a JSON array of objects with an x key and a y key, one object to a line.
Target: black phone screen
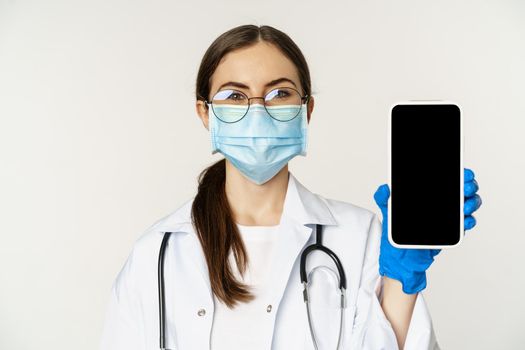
[{"x": 426, "y": 174}]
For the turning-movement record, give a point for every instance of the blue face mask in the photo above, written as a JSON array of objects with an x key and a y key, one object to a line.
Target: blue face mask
[{"x": 258, "y": 145}]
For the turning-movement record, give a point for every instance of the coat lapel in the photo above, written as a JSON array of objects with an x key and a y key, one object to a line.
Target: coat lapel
[
  {"x": 302, "y": 210},
  {"x": 180, "y": 223}
]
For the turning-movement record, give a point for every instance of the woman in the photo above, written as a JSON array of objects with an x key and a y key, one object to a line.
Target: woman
[{"x": 232, "y": 260}]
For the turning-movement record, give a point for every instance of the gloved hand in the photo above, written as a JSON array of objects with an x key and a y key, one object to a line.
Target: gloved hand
[{"x": 409, "y": 265}]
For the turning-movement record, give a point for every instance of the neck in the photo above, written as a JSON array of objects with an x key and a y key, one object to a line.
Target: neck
[{"x": 252, "y": 204}]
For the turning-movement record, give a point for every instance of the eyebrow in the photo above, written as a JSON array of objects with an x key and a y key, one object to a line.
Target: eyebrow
[{"x": 244, "y": 86}]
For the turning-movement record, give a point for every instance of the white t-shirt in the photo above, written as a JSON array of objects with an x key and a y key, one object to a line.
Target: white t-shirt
[{"x": 237, "y": 328}]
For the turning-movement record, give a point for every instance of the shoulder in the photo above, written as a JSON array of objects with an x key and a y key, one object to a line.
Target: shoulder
[
  {"x": 355, "y": 238},
  {"x": 356, "y": 227},
  {"x": 145, "y": 249},
  {"x": 350, "y": 215}
]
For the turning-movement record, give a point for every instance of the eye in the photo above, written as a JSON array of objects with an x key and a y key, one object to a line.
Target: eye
[
  {"x": 283, "y": 93},
  {"x": 279, "y": 94},
  {"x": 229, "y": 96},
  {"x": 235, "y": 96}
]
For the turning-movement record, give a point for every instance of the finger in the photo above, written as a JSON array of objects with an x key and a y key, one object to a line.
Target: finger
[
  {"x": 471, "y": 204},
  {"x": 421, "y": 258},
  {"x": 469, "y": 222},
  {"x": 434, "y": 252},
  {"x": 468, "y": 175},
  {"x": 470, "y": 188}
]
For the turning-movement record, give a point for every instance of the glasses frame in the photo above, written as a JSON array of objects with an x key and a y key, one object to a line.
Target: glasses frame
[{"x": 304, "y": 99}]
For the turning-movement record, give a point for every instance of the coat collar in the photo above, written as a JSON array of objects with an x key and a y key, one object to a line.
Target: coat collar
[{"x": 300, "y": 206}]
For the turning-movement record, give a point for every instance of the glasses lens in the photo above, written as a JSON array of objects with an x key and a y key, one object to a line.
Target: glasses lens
[
  {"x": 230, "y": 105},
  {"x": 283, "y": 103}
]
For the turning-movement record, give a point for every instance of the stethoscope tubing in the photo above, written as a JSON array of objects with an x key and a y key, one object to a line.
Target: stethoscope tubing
[
  {"x": 318, "y": 245},
  {"x": 162, "y": 297}
]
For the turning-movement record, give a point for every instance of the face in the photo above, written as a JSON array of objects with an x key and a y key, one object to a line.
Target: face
[{"x": 251, "y": 70}]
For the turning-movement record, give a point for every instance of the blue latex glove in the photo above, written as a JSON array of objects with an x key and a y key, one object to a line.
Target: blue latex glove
[{"x": 409, "y": 265}]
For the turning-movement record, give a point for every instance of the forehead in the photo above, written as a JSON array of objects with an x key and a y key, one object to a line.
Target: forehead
[{"x": 254, "y": 66}]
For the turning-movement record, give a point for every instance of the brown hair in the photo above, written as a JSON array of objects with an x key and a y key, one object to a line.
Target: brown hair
[{"x": 211, "y": 213}]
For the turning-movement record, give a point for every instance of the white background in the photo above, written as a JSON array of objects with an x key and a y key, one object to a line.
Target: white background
[{"x": 99, "y": 139}]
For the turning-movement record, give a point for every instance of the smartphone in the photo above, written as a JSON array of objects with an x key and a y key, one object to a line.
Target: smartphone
[{"x": 425, "y": 207}]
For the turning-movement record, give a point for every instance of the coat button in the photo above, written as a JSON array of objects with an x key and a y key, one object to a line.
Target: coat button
[
  {"x": 201, "y": 312},
  {"x": 269, "y": 308}
]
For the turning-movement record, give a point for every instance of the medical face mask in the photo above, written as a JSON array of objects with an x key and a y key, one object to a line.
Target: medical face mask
[{"x": 258, "y": 145}]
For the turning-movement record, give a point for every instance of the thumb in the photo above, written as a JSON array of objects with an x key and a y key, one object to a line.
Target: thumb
[{"x": 381, "y": 198}]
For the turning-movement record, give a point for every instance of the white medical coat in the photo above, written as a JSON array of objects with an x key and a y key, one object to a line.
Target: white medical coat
[{"x": 352, "y": 232}]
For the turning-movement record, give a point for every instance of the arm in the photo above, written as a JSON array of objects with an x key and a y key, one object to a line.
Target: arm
[
  {"x": 398, "y": 307},
  {"x": 121, "y": 328},
  {"x": 372, "y": 328}
]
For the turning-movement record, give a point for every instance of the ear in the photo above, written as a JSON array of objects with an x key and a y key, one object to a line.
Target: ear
[
  {"x": 310, "y": 108},
  {"x": 202, "y": 111}
]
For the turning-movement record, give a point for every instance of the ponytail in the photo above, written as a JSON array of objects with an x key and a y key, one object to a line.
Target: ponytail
[{"x": 218, "y": 232}]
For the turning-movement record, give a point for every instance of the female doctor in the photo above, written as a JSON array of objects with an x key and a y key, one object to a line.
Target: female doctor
[{"x": 231, "y": 274}]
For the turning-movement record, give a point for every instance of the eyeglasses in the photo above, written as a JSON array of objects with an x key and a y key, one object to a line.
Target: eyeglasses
[{"x": 282, "y": 104}]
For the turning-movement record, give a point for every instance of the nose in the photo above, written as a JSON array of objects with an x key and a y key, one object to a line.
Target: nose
[{"x": 257, "y": 98}]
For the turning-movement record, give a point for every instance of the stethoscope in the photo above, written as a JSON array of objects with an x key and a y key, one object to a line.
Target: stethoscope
[{"x": 318, "y": 245}]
